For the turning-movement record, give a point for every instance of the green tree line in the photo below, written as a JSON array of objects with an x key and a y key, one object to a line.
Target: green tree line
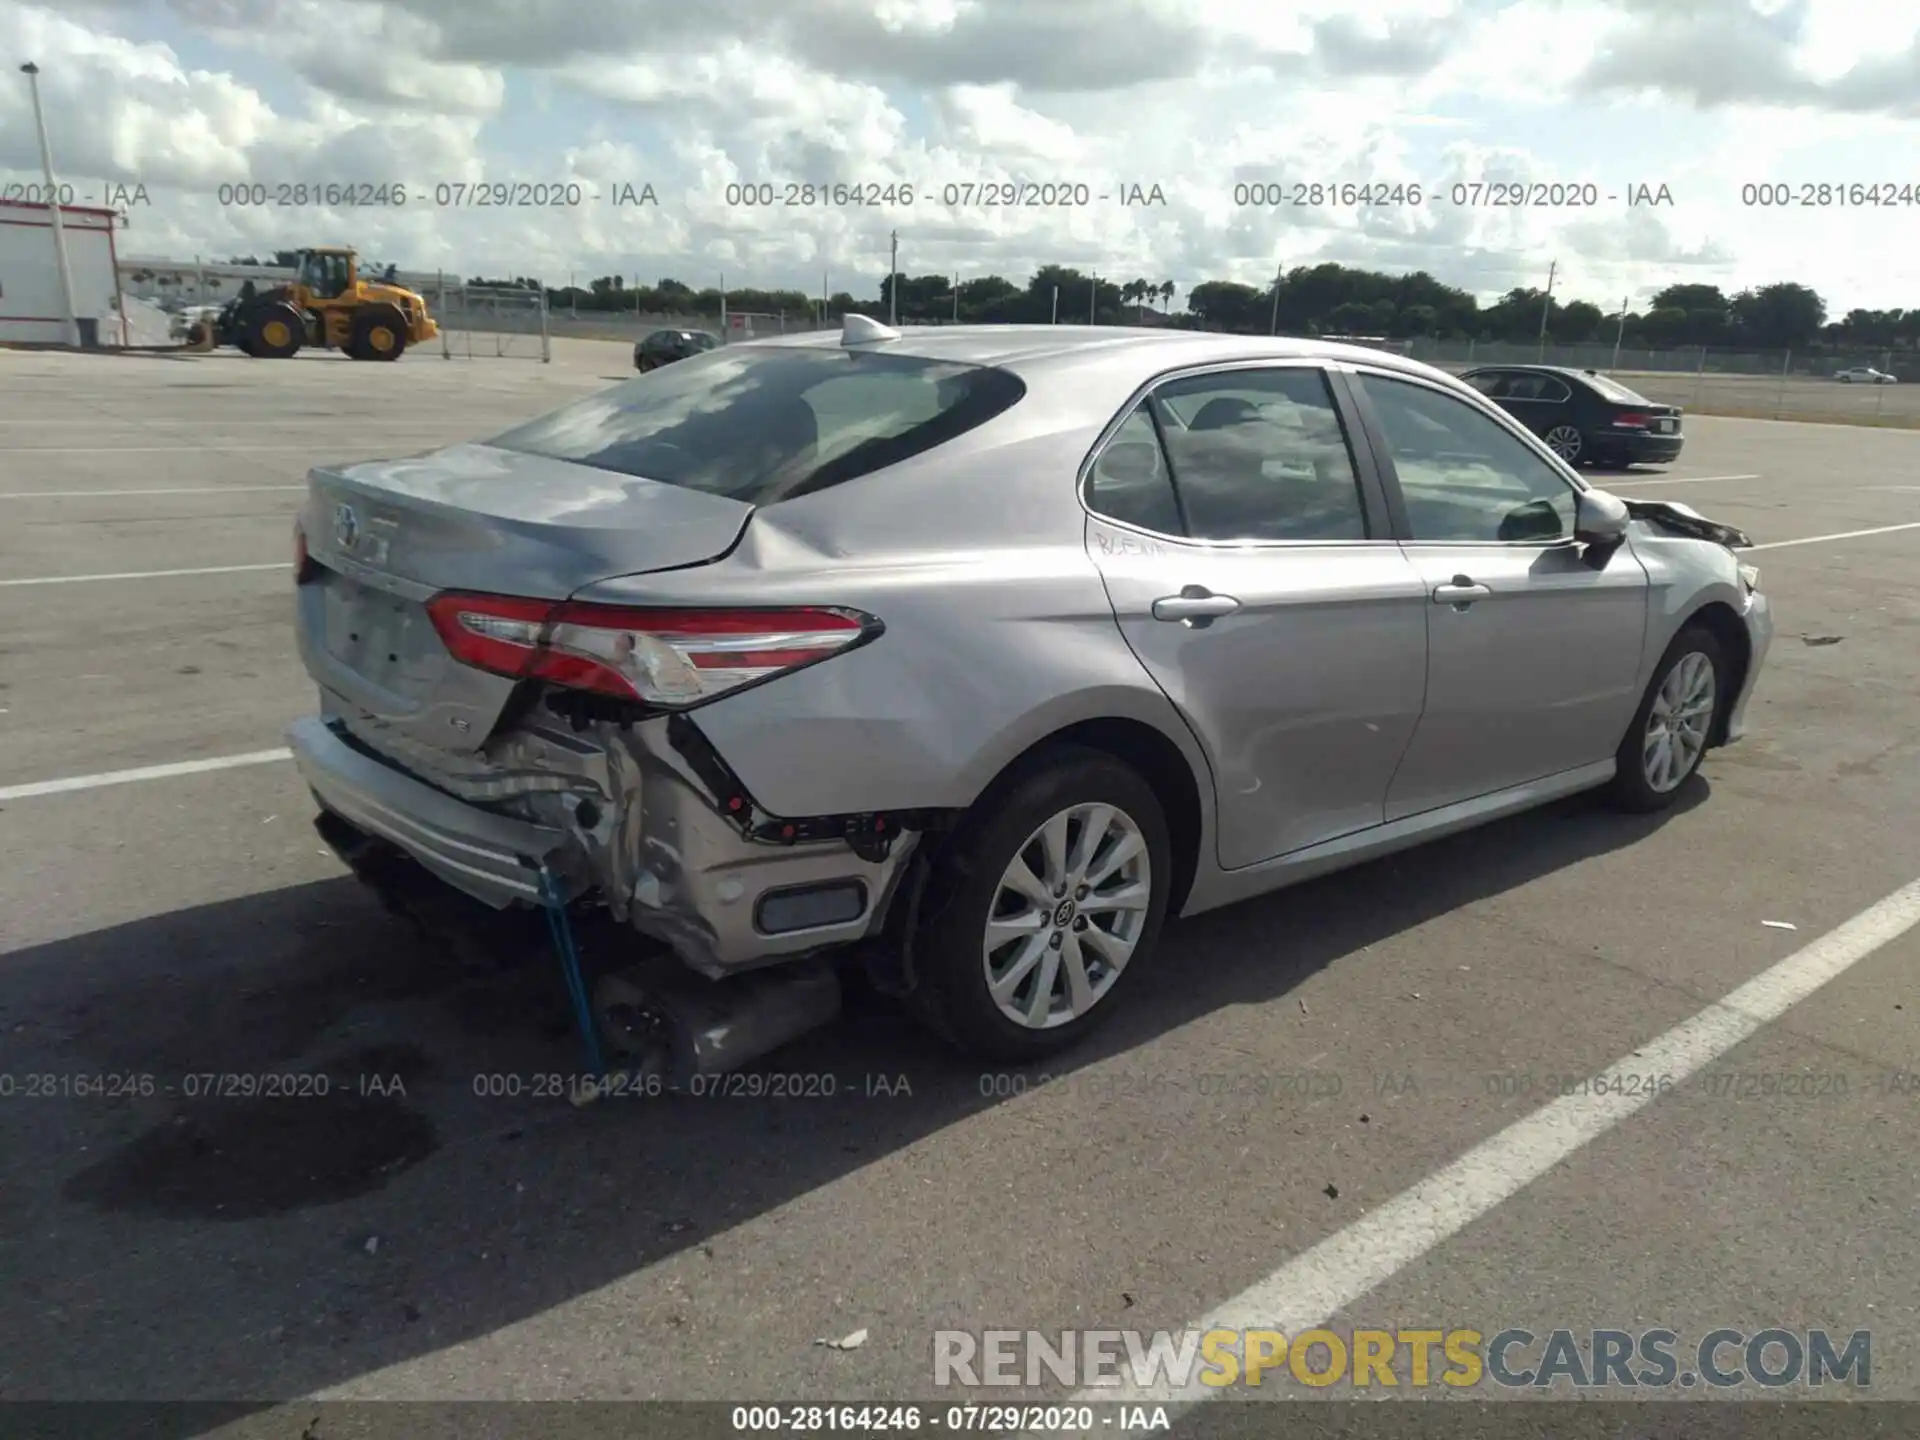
[{"x": 1325, "y": 299}]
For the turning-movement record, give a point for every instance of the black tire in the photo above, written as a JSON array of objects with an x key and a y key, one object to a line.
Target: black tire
[
  {"x": 951, "y": 994},
  {"x": 274, "y": 332},
  {"x": 377, "y": 334},
  {"x": 1630, "y": 789}
]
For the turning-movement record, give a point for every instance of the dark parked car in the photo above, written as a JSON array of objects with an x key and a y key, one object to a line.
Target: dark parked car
[
  {"x": 1585, "y": 418},
  {"x": 663, "y": 347}
]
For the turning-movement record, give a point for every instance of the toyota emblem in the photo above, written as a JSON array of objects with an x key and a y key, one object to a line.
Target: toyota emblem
[{"x": 346, "y": 526}]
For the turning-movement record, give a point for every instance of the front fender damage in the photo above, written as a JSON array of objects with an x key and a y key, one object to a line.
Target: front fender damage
[{"x": 1678, "y": 519}]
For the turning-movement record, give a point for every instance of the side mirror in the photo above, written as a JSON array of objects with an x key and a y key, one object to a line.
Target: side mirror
[
  {"x": 1535, "y": 520},
  {"x": 1600, "y": 523}
]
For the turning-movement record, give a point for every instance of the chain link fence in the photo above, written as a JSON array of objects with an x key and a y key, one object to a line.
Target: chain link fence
[
  {"x": 497, "y": 322},
  {"x": 1754, "y": 384}
]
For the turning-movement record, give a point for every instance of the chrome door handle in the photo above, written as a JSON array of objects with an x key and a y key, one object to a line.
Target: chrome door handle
[
  {"x": 1195, "y": 603},
  {"x": 1461, "y": 591}
]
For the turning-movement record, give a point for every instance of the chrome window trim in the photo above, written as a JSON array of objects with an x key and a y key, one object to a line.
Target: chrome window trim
[{"x": 1214, "y": 367}]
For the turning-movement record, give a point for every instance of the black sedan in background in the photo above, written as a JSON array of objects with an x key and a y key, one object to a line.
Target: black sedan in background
[
  {"x": 663, "y": 347},
  {"x": 1585, "y": 417}
]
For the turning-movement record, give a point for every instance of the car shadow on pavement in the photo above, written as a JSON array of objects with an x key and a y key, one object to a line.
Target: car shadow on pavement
[{"x": 326, "y": 1145}]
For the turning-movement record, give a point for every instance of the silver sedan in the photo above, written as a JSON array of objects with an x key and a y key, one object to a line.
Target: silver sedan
[{"x": 968, "y": 655}]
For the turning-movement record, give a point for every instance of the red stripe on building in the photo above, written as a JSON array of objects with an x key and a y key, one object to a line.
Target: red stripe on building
[{"x": 64, "y": 209}]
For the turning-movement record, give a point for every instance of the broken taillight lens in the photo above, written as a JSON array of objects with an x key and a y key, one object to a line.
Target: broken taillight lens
[
  {"x": 668, "y": 658},
  {"x": 303, "y": 565}
]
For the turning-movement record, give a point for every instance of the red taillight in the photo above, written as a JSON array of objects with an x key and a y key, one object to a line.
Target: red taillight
[
  {"x": 1633, "y": 420},
  {"x": 303, "y": 566},
  {"x": 669, "y": 658}
]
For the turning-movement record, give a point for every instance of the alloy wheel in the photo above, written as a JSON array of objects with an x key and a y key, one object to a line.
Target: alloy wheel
[
  {"x": 1677, "y": 722},
  {"x": 1065, "y": 918},
  {"x": 1565, "y": 441}
]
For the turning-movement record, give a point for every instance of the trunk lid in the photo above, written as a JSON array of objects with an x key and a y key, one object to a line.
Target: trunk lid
[
  {"x": 387, "y": 535},
  {"x": 474, "y": 518}
]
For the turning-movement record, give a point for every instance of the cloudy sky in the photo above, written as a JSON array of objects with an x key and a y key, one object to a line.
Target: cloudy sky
[{"x": 1192, "y": 96}]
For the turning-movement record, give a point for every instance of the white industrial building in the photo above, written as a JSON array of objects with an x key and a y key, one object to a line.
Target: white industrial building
[{"x": 32, "y": 310}]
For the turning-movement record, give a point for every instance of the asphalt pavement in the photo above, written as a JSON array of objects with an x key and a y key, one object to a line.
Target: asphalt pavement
[{"x": 411, "y": 1214}]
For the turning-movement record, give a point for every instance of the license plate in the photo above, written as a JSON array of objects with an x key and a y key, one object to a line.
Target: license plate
[{"x": 1666, "y": 427}]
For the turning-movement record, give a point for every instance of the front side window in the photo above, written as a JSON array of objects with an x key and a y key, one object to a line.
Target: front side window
[
  {"x": 1260, "y": 455},
  {"x": 326, "y": 275},
  {"x": 1465, "y": 477},
  {"x": 763, "y": 425}
]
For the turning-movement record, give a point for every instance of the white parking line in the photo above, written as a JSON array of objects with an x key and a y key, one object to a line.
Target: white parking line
[
  {"x": 1681, "y": 480},
  {"x": 1314, "y": 1286},
  {"x": 116, "y": 494},
  {"x": 146, "y": 574},
  {"x": 144, "y": 772},
  {"x": 1840, "y": 535}
]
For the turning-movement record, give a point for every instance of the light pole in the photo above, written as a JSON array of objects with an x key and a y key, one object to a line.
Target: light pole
[
  {"x": 893, "y": 278},
  {"x": 32, "y": 72},
  {"x": 1546, "y": 309},
  {"x": 1621, "y": 333}
]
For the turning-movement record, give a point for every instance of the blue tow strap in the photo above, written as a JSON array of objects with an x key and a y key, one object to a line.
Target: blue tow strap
[{"x": 561, "y": 928}]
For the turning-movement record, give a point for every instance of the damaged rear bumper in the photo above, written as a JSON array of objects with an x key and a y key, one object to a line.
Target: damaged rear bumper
[
  {"x": 616, "y": 815},
  {"x": 491, "y": 857}
]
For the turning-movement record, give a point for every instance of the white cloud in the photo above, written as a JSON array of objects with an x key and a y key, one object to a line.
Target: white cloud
[{"x": 1190, "y": 96}]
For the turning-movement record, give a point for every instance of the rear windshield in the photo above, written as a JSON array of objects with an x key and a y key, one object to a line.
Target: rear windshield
[
  {"x": 1614, "y": 390},
  {"x": 762, "y": 425}
]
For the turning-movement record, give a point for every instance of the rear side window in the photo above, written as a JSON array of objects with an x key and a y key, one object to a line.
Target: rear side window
[
  {"x": 764, "y": 425},
  {"x": 1536, "y": 387},
  {"x": 1130, "y": 481},
  {"x": 1490, "y": 383},
  {"x": 1260, "y": 454}
]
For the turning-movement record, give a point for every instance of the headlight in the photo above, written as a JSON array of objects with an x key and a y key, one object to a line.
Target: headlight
[{"x": 1750, "y": 577}]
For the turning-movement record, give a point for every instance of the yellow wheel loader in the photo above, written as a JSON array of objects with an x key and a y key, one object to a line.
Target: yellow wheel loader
[{"x": 329, "y": 307}]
